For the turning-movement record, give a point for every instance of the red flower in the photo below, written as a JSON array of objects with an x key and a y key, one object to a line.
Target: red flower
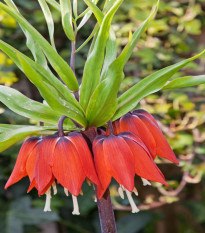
[
  {"x": 66, "y": 159},
  {"x": 121, "y": 157},
  {"x": 143, "y": 124}
]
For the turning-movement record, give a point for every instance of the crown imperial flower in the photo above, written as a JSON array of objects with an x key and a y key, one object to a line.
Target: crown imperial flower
[
  {"x": 143, "y": 125},
  {"x": 122, "y": 156},
  {"x": 66, "y": 159}
]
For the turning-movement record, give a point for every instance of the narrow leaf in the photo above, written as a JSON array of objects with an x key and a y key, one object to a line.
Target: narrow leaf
[
  {"x": 103, "y": 102},
  {"x": 153, "y": 83},
  {"x": 187, "y": 81},
  {"x": 54, "y": 4},
  {"x": 49, "y": 20},
  {"x": 26, "y": 107},
  {"x": 50, "y": 95},
  {"x": 96, "y": 11},
  {"x": 31, "y": 43},
  {"x": 66, "y": 12},
  {"x": 47, "y": 76},
  {"x": 75, "y": 8},
  {"x": 93, "y": 65},
  {"x": 11, "y": 137},
  {"x": 86, "y": 15},
  {"x": 61, "y": 67}
]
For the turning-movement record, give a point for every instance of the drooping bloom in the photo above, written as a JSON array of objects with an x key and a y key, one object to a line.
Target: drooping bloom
[
  {"x": 143, "y": 124},
  {"x": 66, "y": 159},
  {"x": 122, "y": 156}
]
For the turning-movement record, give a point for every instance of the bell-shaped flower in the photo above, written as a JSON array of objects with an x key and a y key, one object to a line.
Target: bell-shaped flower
[
  {"x": 66, "y": 159},
  {"x": 121, "y": 157},
  {"x": 143, "y": 124}
]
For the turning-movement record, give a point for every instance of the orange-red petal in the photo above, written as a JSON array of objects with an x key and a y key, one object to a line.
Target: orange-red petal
[
  {"x": 85, "y": 156},
  {"x": 42, "y": 170},
  {"x": 67, "y": 167},
  {"x": 19, "y": 170},
  {"x": 144, "y": 163},
  {"x": 101, "y": 166},
  {"x": 133, "y": 124},
  {"x": 163, "y": 148}
]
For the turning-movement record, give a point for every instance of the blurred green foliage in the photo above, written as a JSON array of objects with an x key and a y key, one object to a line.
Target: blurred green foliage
[{"x": 176, "y": 33}]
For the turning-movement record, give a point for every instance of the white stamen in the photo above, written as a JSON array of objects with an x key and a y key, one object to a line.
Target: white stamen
[
  {"x": 135, "y": 191},
  {"x": 95, "y": 199},
  {"x": 131, "y": 201},
  {"x": 48, "y": 200},
  {"x": 54, "y": 188},
  {"x": 66, "y": 192},
  {"x": 75, "y": 206},
  {"x": 120, "y": 191},
  {"x": 145, "y": 182}
]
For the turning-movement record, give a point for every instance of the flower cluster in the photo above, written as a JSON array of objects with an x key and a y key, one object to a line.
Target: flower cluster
[{"x": 128, "y": 147}]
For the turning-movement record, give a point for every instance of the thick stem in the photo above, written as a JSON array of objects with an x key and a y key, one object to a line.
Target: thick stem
[
  {"x": 105, "y": 210},
  {"x": 106, "y": 214},
  {"x": 60, "y": 126}
]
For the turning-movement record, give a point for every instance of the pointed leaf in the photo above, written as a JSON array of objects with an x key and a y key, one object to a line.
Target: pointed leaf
[
  {"x": 187, "y": 81},
  {"x": 49, "y": 20},
  {"x": 31, "y": 43},
  {"x": 61, "y": 67},
  {"x": 66, "y": 12},
  {"x": 48, "y": 77},
  {"x": 93, "y": 65},
  {"x": 153, "y": 83},
  {"x": 10, "y": 137},
  {"x": 96, "y": 11},
  {"x": 75, "y": 8},
  {"x": 50, "y": 95},
  {"x": 26, "y": 107},
  {"x": 54, "y": 4},
  {"x": 86, "y": 15},
  {"x": 103, "y": 102}
]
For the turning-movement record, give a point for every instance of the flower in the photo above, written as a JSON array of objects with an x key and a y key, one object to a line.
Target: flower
[
  {"x": 66, "y": 159},
  {"x": 143, "y": 124},
  {"x": 122, "y": 156}
]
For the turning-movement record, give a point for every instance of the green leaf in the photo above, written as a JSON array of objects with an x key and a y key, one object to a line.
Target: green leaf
[
  {"x": 103, "y": 102},
  {"x": 75, "y": 8},
  {"x": 187, "y": 81},
  {"x": 47, "y": 76},
  {"x": 54, "y": 4},
  {"x": 50, "y": 95},
  {"x": 66, "y": 12},
  {"x": 111, "y": 52},
  {"x": 96, "y": 11},
  {"x": 86, "y": 15},
  {"x": 31, "y": 43},
  {"x": 26, "y": 107},
  {"x": 61, "y": 67},
  {"x": 68, "y": 125},
  {"x": 49, "y": 20},
  {"x": 93, "y": 65},
  {"x": 12, "y": 136},
  {"x": 153, "y": 83}
]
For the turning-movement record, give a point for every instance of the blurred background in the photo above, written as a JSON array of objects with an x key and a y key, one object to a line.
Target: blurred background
[{"x": 177, "y": 32}]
